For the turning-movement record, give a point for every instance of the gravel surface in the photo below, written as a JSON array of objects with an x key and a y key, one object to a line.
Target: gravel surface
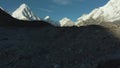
[{"x": 55, "y": 47}]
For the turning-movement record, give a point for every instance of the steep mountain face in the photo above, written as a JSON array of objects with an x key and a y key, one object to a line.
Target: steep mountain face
[
  {"x": 24, "y": 13},
  {"x": 111, "y": 10},
  {"x": 65, "y": 22},
  {"x": 108, "y": 13}
]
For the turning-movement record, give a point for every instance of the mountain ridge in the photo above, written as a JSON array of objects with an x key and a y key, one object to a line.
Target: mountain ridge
[
  {"x": 7, "y": 20},
  {"x": 107, "y": 13}
]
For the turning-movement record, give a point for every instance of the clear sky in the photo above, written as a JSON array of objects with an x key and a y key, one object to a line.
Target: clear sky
[{"x": 56, "y": 9}]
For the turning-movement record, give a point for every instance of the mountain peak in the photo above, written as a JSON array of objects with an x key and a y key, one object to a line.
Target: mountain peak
[
  {"x": 23, "y": 6},
  {"x": 110, "y": 12},
  {"x": 47, "y": 18},
  {"x": 24, "y": 13},
  {"x": 65, "y": 18},
  {"x": 66, "y": 22}
]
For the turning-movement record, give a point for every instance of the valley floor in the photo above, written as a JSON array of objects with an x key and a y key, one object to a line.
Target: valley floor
[{"x": 55, "y": 47}]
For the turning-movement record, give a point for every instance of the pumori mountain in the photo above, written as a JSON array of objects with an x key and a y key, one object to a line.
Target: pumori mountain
[
  {"x": 65, "y": 22},
  {"x": 107, "y": 13},
  {"x": 52, "y": 22},
  {"x": 24, "y": 13}
]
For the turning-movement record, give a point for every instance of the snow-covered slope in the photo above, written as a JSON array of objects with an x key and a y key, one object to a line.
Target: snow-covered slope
[
  {"x": 107, "y": 13},
  {"x": 49, "y": 20},
  {"x": 65, "y": 22},
  {"x": 24, "y": 13}
]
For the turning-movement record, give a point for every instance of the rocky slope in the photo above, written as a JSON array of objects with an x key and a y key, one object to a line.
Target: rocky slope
[{"x": 46, "y": 46}]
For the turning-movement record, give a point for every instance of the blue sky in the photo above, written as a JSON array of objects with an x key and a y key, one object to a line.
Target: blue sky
[{"x": 56, "y": 9}]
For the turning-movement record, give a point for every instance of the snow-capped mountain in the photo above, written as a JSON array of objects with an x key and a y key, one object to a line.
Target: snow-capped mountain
[
  {"x": 65, "y": 22},
  {"x": 24, "y": 13},
  {"x": 49, "y": 20},
  {"x": 107, "y": 13}
]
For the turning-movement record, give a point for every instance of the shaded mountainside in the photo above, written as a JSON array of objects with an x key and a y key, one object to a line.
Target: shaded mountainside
[
  {"x": 4, "y": 16},
  {"x": 54, "y": 47},
  {"x": 8, "y": 20}
]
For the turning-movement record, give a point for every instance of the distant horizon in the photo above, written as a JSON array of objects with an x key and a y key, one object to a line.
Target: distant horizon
[{"x": 56, "y": 9}]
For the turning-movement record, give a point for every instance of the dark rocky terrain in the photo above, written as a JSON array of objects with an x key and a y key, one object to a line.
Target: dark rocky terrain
[
  {"x": 37, "y": 44},
  {"x": 8, "y": 20}
]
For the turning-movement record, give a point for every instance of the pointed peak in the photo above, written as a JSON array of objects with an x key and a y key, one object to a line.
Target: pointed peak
[
  {"x": 47, "y": 17},
  {"x": 23, "y": 5},
  {"x": 64, "y": 19},
  {"x": 24, "y": 13},
  {"x": 66, "y": 22}
]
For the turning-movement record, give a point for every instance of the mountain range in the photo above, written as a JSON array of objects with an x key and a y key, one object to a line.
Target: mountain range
[
  {"x": 38, "y": 44},
  {"x": 110, "y": 12},
  {"x": 8, "y": 20}
]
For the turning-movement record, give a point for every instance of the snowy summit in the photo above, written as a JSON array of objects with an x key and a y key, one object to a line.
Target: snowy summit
[
  {"x": 65, "y": 22},
  {"x": 24, "y": 13},
  {"x": 107, "y": 13},
  {"x": 52, "y": 22},
  {"x": 47, "y": 18}
]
